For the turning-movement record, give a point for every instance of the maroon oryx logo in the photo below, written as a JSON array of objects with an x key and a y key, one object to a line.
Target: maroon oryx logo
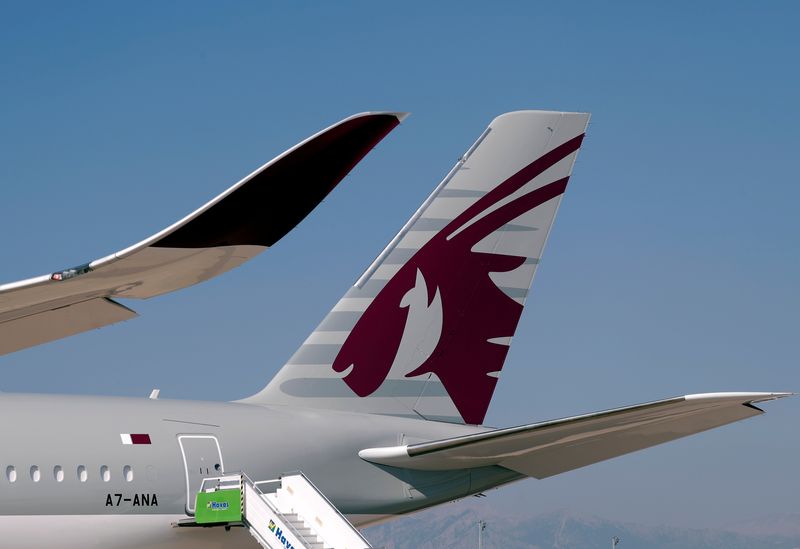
[{"x": 474, "y": 309}]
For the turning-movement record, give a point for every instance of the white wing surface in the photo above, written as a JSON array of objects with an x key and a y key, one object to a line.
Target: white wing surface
[
  {"x": 230, "y": 229},
  {"x": 545, "y": 449}
]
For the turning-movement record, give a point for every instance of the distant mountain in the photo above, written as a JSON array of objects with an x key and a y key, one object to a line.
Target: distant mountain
[
  {"x": 456, "y": 526},
  {"x": 786, "y": 524}
]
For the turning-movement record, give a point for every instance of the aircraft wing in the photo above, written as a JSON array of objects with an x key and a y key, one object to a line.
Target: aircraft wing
[
  {"x": 235, "y": 226},
  {"x": 542, "y": 450}
]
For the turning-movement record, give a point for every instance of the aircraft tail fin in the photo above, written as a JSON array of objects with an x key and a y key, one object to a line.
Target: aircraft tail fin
[{"x": 425, "y": 331}]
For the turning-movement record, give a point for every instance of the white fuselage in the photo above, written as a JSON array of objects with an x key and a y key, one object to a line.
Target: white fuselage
[{"x": 71, "y": 477}]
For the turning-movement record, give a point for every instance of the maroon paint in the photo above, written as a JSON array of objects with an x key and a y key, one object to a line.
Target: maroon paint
[
  {"x": 140, "y": 439},
  {"x": 274, "y": 200},
  {"x": 474, "y": 308}
]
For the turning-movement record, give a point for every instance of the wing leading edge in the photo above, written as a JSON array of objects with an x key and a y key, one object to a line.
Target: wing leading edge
[
  {"x": 541, "y": 450},
  {"x": 249, "y": 217}
]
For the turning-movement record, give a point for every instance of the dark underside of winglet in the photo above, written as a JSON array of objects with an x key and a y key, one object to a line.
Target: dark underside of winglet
[{"x": 280, "y": 195}]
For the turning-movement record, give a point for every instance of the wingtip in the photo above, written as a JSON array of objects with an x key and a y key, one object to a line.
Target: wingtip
[
  {"x": 400, "y": 116},
  {"x": 773, "y": 396},
  {"x": 748, "y": 397}
]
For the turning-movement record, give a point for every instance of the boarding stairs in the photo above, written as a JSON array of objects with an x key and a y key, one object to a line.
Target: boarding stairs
[{"x": 285, "y": 513}]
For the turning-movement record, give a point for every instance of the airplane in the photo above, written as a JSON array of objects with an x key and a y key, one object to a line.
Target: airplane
[{"x": 382, "y": 406}]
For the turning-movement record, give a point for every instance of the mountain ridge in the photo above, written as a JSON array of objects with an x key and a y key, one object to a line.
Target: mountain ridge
[{"x": 456, "y": 525}]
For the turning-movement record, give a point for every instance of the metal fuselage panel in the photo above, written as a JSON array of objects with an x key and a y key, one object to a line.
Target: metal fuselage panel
[{"x": 48, "y": 434}]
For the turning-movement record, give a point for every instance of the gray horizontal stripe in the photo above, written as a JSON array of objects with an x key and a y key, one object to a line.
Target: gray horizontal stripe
[
  {"x": 315, "y": 354},
  {"x": 430, "y": 224},
  {"x": 369, "y": 289},
  {"x": 399, "y": 256},
  {"x": 510, "y": 227},
  {"x": 460, "y": 193},
  {"x": 515, "y": 292},
  {"x": 336, "y": 388},
  {"x": 339, "y": 321},
  {"x": 532, "y": 261}
]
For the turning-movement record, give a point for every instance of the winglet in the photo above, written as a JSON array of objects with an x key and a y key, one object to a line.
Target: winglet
[{"x": 232, "y": 228}]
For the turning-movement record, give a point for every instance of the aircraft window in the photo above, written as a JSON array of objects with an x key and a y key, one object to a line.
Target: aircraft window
[
  {"x": 58, "y": 473},
  {"x": 105, "y": 474},
  {"x": 127, "y": 472},
  {"x": 82, "y": 475},
  {"x": 11, "y": 473},
  {"x": 36, "y": 475}
]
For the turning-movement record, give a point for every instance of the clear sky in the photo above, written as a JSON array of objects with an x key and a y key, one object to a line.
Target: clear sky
[{"x": 673, "y": 266}]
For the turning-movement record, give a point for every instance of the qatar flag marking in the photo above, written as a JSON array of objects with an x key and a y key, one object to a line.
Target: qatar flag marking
[{"x": 135, "y": 438}]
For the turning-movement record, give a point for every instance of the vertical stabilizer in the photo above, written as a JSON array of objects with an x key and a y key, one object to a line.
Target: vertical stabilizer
[{"x": 425, "y": 331}]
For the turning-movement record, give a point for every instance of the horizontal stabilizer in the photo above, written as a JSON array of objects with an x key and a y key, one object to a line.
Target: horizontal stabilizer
[
  {"x": 234, "y": 227},
  {"x": 545, "y": 449}
]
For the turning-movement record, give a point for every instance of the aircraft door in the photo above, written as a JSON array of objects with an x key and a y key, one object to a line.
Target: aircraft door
[{"x": 202, "y": 458}]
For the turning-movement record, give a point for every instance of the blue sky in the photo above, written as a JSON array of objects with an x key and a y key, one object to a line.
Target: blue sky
[{"x": 673, "y": 267}]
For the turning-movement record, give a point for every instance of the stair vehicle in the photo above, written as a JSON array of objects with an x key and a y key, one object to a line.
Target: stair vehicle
[{"x": 286, "y": 513}]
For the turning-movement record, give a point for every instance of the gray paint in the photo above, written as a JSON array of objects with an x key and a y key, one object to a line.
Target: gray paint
[
  {"x": 339, "y": 321},
  {"x": 73, "y": 431},
  {"x": 315, "y": 354},
  {"x": 326, "y": 387},
  {"x": 431, "y": 224}
]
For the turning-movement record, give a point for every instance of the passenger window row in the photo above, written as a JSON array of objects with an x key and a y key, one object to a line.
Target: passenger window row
[{"x": 58, "y": 473}]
